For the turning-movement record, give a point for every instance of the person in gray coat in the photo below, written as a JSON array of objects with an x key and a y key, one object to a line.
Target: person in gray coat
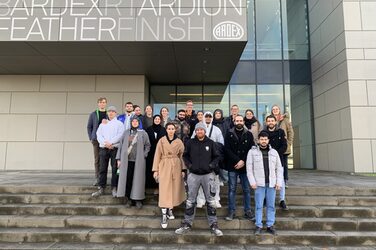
[
  {"x": 133, "y": 150},
  {"x": 265, "y": 175}
]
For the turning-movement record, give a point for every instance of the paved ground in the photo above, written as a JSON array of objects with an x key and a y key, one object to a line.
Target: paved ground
[{"x": 297, "y": 178}]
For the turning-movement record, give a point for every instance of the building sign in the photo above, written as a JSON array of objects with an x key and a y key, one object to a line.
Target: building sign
[{"x": 123, "y": 20}]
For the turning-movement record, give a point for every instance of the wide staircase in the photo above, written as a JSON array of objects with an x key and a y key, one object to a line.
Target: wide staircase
[{"x": 51, "y": 215}]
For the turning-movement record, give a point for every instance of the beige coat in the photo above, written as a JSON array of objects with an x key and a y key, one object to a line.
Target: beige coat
[
  {"x": 286, "y": 125},
  {"x": 168, "y": 162}
]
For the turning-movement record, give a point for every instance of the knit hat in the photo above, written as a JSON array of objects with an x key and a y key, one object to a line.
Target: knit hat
[
  {"x": 200, "y": 125},
  {"x": 112, "y": 108}
]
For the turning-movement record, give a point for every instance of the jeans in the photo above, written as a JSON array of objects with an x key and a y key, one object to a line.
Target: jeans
[
  {"x": 106, "y": 155},
  {"x": 260, "y": 194},
  {"x": 232, "y": 184},
  {"x": 207, "y": 182}
]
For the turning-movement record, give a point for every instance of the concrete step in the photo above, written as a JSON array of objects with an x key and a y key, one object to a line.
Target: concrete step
[
  {"x": 152, "y": 210},
  {"x": 153, "y": 222},
  {"x": 196, "y": 236},
  {"x": 116, "y": 246},
  {"x": 151, "y": 199},
  {"x": 292, "y": 190}
]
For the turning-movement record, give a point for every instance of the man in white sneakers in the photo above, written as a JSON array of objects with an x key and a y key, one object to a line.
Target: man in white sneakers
[{"x": 265, "y": 175}]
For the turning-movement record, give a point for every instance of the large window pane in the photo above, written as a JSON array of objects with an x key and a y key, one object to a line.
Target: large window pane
[
  {"x": 163, "y": 96},
  {"x": 244, "y": 73},
  {"x": 189, "y": 92},
  {"x": 295, "y": 29},
  {"x": 244, "y": 95},
  {"x": 268, "y": 29},
  {"x": 249, "y": 51},
  {"x": 268, "y": 95},
  {"x": 216, "y": 97}
]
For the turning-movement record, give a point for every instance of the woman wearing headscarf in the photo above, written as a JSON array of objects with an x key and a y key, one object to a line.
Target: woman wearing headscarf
[
  {"x": 252, "y": 124},
  {"x": 164, "y": 112},
  {"x": 133, "y": 150},
  {"x": 147, "y": 118},
  {"x": 155, "y": 133},
  {"x": 169, "y": 171}
]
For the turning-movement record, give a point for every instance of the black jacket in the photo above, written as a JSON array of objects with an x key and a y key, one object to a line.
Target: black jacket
[
  {"x": 277, "y": 139},
  {"x": 93, "y": 124},
  {"x": 236, "y": 150},
  {"x": 201, "y": 157}
]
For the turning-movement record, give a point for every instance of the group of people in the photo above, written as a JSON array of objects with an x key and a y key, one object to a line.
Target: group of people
[{"x": 189, "y": 157}]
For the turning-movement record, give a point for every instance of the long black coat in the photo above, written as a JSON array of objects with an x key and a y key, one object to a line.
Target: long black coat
[
  {"x": 236, "y": 150},
  {"x": 150, "y": 182}
]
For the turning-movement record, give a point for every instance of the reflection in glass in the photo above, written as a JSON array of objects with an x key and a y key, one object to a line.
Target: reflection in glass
[
  {"x": 268, "y": 29},
  {"x": 268, "y": 95},
  {"x": 244, "y": 95},
  {"x": 189, "y": 92},
  {"x": 216, "y": 97},
  {"x": 249, "y": 51},
  {"x": 163, "y": 96},
  {"x": 295, "y": 29}
]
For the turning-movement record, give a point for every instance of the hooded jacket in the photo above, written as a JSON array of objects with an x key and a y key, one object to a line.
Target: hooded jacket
[
  {"x": 213, "y": 132},
  {"x": 201, "y": 157},
  {"x": 219, "y": 122}
]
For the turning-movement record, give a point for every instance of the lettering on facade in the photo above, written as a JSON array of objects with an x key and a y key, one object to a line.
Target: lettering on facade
[{"x": 121, "y": 20}]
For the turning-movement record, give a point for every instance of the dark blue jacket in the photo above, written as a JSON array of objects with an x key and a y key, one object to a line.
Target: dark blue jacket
[{"x": 93, "y": 124}]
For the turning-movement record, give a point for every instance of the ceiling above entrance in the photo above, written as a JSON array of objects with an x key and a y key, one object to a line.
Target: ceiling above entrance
[{"x": 161, "y": 62}]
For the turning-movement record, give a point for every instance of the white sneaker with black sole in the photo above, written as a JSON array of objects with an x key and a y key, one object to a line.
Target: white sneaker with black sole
[{"x": 170, "y": 215}]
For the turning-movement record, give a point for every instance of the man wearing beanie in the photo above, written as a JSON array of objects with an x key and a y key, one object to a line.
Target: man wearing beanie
[{"x": 201, "y": 158}]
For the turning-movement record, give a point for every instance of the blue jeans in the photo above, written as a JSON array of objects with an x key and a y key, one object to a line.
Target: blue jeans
[
  {"x": 232, "y": 184},
  {"x": 260, "y": 194}
]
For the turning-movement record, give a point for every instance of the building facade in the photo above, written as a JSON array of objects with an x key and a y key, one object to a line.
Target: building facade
[{"x": 315, "y": 59}]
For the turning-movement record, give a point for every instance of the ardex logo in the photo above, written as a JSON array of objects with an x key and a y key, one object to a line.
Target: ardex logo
[{"x": 228, "y": 31}]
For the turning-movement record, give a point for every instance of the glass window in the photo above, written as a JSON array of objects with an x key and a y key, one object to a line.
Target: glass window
[
  {"x": 216, "y": 97},
  {"x": 249, "y": 51},
  {"x": 268, "y": 95},
  {"x": 268, "y": 29},
  {"x": 244, "y": 73},
  {"x": 269, "y": 72},
  {"x": 244, "y": 95},
  {"x": 163, "y": 96},
  {"x": 295, "y": 29},
  {"x": 189, "y": 92}
]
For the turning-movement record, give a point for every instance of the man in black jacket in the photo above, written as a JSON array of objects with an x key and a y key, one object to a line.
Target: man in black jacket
[
  {"x": 278, "y": 141},
  {"x": 201, "y": 158},
  {"x": 238, "y": 142},
  {"x": 95, "y": 119}
]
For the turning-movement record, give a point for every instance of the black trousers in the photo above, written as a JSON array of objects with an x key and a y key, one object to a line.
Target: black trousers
[
  {"x": 106, "y": 155},
  {"x": 130, "y": 173},
  {"x": 285, "y": 165}
]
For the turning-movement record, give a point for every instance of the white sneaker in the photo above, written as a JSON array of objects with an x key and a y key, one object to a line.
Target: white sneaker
[
  {"x": 164, "y": 222},
  {"x": 200, "y": 205},
  {"x": 170, "y": 215}
]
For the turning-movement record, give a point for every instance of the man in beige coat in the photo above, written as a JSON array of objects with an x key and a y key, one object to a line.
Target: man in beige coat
[{"x": 169, "y": 171}]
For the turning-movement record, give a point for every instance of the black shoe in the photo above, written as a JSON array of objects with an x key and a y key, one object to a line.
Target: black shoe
[
  {"x": 271, "y": 230},
  {"x": 283, "y": 206},
  {"x": 230, "y": 216},
  {"x": 215, "y": 230},
  {"x": 249, "y": 216},
  {"x": 258, "y": 230}
]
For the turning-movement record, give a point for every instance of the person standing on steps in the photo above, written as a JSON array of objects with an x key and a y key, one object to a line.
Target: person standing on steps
[
  {"x": 95, "y": 119},
  {"x": 238, "y": 142},
  {"x": 169, "y": 171},
  {"x": 277, "y": 139},
  {"x": 201, "y": 157},
  {"x": 126, "y": 117},
  {"x": 108, "y": 136},
  {"x": 265, "y": 174},
  {"x": 133, "y": 150},
  {"x": 155, "y": 133}
]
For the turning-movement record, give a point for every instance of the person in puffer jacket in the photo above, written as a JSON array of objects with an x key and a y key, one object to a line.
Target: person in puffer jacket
[{"x": 265, "y": 175}]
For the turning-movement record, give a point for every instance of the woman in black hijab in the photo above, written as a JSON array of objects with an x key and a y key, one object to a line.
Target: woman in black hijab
[{"x": 155, "y": 132}]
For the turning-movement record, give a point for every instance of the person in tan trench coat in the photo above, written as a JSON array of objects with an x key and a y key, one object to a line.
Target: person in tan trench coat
[{"x": 169, "y": 171}]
